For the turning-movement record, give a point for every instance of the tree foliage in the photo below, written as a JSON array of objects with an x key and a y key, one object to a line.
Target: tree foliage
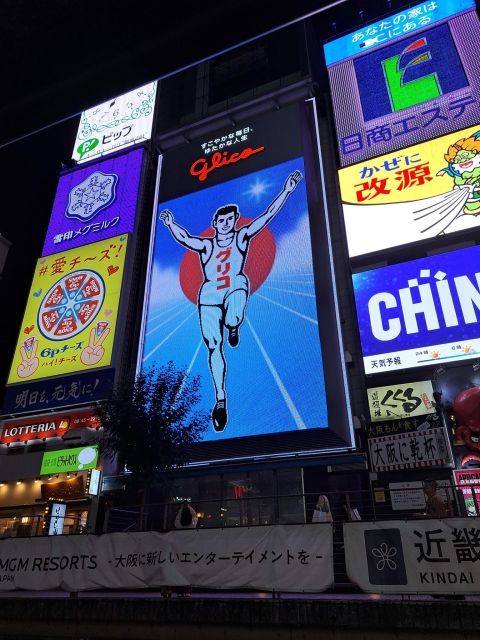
[{"x": 151, "y": 422}]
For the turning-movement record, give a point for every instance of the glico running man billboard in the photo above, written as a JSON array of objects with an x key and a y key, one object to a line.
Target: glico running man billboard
[
  {"x": 95, "y": 202},
  {"x": 420, "y": 312},
  {"x": 424, "y": 191},
  {"x": 71, "y": 314},
  {"x": 232, "y": 294},
  {"x": 405, "y": 79}
]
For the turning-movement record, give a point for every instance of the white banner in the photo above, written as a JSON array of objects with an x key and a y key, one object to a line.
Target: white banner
[
  {"x": 415, "y": 556},
  {"x": 281, "y": 558},
  {"x": 413, "y": 450}
]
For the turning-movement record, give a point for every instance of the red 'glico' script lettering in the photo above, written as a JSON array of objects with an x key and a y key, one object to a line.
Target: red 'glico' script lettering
[{"x": 200, "y": 168}]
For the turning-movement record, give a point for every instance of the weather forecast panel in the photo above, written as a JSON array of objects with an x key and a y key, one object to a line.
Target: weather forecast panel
[
  {"x": 232, "y": 295},
  {"x": 71, "y": 313},
  {"x": 406, "y": 79},
  {"x": 95, "y": 202}
]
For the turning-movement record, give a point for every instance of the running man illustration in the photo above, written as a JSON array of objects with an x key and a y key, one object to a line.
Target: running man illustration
[{"x": 223, "y": 296}]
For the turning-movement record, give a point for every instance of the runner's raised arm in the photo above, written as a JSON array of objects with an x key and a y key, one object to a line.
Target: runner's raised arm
[
  {"x": 273, "y": 208},
  {"x": 181, "y": 235}
]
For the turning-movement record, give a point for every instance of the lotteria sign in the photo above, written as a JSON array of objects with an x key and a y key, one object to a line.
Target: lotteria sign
[
  {"x": 420, "y": 312},
  {"x": 47, "y": 426},
  {"x": 79, "y": 459}
]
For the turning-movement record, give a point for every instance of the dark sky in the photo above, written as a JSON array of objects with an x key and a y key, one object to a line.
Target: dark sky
[{"x": 62, "y": 56}]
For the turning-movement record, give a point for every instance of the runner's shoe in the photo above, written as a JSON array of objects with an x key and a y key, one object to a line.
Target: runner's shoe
[
  {"x": 220, "y": 416},
  {"x": 233, "y": 337}
]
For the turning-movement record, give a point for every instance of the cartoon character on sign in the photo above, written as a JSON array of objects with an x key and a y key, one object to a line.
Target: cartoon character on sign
[
  {"x": 223, "y": 295},
  {"x": 463, "y": 159},
  {"x": 466, "y": 408},
  {"x": 463, "y": 200}
]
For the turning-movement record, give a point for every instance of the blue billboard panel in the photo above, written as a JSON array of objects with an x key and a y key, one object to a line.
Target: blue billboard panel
[
  {"x": 54, "y": 393},
  {"x": 232, "y": 298},
  {"x": 383, "y": 31},
  {"x": 95, "y": 202},
  {"x": 417, "y": 84},
  {"x": 420, "y": 312}
]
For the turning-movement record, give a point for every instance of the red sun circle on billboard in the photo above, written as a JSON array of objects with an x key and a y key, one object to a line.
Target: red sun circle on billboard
[
  {"x": 259, "y": 262},
  {"x": 71, "y": 304}
]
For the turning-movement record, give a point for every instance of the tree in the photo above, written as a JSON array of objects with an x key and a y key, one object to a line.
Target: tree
[{"x": 150, "y": 424}]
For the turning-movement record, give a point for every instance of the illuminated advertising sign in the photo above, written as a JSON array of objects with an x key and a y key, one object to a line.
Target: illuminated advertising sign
[
  {"x": 420, "y": 312},
  {"x": 416, "y": 77},
  {"x": 46, "y": 426},
  {"x": 116, "y": 124},
  {"x": 71, "y": 314},
  {"x": 469, "y": 481},
  {"x": 232, "y": 295},
  {"x": 384, "y": 31},
  {"x": 400, "y": 401},
  {"x": 407, "y": 425},
  {"x": 409, "y": 450},
  {"x": 425, "y": 191},
  {"x": 57, "y": 518},
  {"x": 80, "y": 388},
  {"x": 95, "y": 203},
  {"x": 65, "y": 460}
]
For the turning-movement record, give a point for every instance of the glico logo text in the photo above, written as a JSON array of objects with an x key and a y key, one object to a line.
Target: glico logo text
[{"x": 200, "y": 168}]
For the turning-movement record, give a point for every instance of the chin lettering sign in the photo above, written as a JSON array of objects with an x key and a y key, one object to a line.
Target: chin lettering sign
[{"x": 421, "y": 312}]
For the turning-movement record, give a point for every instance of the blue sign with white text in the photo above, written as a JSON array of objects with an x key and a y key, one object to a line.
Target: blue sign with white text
[
  {"x": 420, "y": 312},
  {"x": 64, "y": 391},
  {"x": 400, "y": 24}
]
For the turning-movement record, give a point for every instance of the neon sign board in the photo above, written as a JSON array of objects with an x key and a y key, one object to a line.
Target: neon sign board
[
  {"x": 421, "y": 312},
  {"x": 411, "y": 84}
]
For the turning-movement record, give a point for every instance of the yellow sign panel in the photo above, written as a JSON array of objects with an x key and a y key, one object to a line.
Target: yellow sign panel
[
  {"x": 400, "y": 401},
  {"x": 70, "y": 319},
  {"x": 419, "y": 192}
]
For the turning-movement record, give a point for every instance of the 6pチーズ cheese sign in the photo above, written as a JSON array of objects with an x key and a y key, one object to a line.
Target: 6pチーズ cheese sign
[
  {"x": 70, "y": 318},
  {"x": 416, "y": 193}
]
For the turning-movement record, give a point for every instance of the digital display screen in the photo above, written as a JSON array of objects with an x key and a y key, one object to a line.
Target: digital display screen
[
  {"x": 421, "y": 312},
  {"x": 409, "y": 78},
  {"x": 231, "y": 295},
  {"x": 424, "y": 191},
  {"x": 95, "y": 203},
  {"x": 71, "y": 313}
]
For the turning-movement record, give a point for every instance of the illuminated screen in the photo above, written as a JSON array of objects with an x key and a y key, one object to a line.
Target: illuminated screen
[
  {"x": 425, "y": 191},
  {"x": 116, "y": 124},
  {"x": 420, "y": 312},
  {"x": 257, "y": 279},
  {"x": 409, "y": 78},
  {"x": 71, "y": 313},
  {"x": 95, "y": 203}
]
